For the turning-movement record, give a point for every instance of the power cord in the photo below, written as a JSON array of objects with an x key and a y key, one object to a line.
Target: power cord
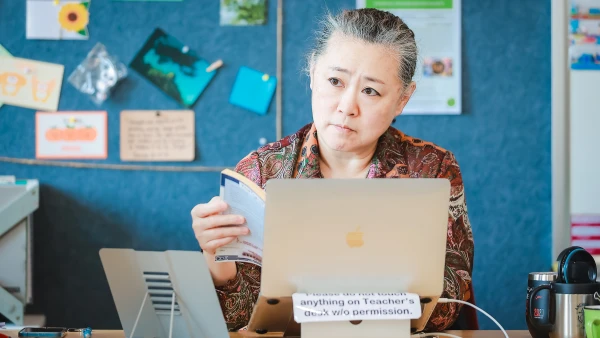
[
  {"x": 442, "y": 334},
  {"x": 448, "y": 300}
]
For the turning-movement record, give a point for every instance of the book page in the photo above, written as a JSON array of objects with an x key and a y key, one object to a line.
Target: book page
[{"x": 242, "y": 200}]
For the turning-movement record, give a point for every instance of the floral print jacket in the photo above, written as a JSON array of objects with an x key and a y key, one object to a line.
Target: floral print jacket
[{"x": 397, "y": 156}]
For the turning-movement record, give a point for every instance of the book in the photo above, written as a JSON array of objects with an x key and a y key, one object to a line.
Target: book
[{"x": 245, "y": 198}]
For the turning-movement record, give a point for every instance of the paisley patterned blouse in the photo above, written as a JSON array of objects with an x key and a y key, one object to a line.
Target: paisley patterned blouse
[{"x": 397, "y": 156}]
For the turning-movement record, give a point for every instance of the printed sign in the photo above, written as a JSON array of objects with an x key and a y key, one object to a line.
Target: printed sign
[
  {"x": 323, "y": 307},
  {"x": 71, "y": 135}
]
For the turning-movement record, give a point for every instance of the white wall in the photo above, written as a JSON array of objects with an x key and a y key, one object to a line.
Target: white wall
[{"x": 585, "y": 142}]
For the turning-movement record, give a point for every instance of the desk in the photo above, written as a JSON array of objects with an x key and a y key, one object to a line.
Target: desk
[{"x": 464, "y": 334}]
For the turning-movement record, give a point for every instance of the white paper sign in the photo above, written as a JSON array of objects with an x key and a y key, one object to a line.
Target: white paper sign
[
  {"x": 323, "y": 307},
  {"x": 71, "y": 135},
  {"x": 8, "y": 179}
]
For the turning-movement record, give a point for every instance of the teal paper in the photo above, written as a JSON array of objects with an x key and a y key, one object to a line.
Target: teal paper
[{"x": 253, "y": 90}]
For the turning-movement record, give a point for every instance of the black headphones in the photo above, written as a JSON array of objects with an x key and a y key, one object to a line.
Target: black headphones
[{"x": 576, "y": 265}]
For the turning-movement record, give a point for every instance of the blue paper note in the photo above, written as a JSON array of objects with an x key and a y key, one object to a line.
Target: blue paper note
[{"x": 253, "y": 90}]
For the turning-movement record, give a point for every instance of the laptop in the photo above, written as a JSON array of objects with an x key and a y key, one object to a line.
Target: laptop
[
  {"x": 142, "y": 284},
  {"x": 351, "y": 236}
]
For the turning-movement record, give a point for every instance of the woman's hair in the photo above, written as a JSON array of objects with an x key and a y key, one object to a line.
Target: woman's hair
[{"x": 373, "y": 26}]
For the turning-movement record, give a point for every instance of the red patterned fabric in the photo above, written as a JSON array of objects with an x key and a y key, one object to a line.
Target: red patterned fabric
[{"x": 397, "y": 156}]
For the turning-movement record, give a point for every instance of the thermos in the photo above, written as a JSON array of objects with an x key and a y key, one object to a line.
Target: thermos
[
  {"x": 566, "y": 308},
  {"x": 542, "y": 302},
  {"x": 555, "y": 302}
]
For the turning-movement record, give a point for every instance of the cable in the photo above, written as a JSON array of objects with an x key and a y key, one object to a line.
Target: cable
[
  {"x": 172, "y": 313},
  {"x": 448, "y": 300},
  {"x": 443, "y": 334},
  {"x": 137, "y": 319}
]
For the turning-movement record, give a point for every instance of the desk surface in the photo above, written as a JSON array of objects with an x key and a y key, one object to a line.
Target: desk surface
[{"x": 464, "y": 334}]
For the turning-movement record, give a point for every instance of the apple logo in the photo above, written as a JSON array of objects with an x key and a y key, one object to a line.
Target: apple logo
[{"x": 355, "y": 238}]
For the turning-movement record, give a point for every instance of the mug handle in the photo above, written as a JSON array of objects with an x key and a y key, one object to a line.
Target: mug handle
[
  {"x": 595, "y": 323},
  {"x": 534, "y": 292}
]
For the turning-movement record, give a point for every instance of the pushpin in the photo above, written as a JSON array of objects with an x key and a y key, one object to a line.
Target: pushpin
[
  {"x": 185, "y": 49},
  {"x": 265, "y": 77},
  {"x": 262, "y": 141},
  {"x": 214, "y": 65},
  {"x": 87, "y": 332}
]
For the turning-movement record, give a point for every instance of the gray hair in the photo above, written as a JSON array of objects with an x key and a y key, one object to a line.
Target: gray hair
[{"x": 373, "y": 26}]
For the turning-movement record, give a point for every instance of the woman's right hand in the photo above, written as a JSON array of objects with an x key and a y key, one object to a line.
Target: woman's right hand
[{"x": 214, "y": 230}]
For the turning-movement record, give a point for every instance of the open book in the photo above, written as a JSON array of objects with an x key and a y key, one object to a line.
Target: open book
[{"x": 247, "y": 199}]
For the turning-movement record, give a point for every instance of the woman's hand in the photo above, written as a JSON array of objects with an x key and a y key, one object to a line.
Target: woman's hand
[{"x": 213, "y": 230}]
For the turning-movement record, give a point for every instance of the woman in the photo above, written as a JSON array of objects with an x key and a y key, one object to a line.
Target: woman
[{"x": 361, "y": 78}]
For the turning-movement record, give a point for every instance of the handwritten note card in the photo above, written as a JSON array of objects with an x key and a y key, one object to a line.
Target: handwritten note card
[{"x": 151, "y": 135}]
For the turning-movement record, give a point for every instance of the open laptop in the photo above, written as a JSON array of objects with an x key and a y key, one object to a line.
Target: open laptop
[
  {"x": 142, "y": 284},
  {"x": 351, "y": 236}
]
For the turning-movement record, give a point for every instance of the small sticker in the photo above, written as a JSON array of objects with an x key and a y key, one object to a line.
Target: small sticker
[{"x": 324, "y": 307}]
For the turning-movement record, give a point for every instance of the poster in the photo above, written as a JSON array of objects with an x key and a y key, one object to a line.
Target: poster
[
  {"x": 437, "y": 28},
  {"x": 585, "y": 232},
  {"x": 584, "y": 35},
  {"x": 71, "y": 135}
]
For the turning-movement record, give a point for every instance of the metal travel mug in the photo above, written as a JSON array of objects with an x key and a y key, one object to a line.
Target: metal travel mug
[{"x": 541, "y": 304}]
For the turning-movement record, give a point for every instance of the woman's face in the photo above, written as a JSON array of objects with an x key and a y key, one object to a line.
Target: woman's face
[{"x": 356, "y": 93}]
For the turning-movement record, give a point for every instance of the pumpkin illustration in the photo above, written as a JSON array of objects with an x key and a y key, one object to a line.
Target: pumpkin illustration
[
  {"x": 53, "y": 134},
  {"x": 87, "y": 134},
  {"x": 71, "y": 134}
]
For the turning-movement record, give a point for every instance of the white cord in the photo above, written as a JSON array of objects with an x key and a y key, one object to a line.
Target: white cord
[
  {"x": 137, "y": 319},
  {"x": 172, "y": 312},
  {"x": 434, "y": 334},
  {"x": 448, "y": 300}
]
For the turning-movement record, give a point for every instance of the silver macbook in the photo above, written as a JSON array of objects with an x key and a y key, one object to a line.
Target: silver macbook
[{"x": 351, "y": 236}]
